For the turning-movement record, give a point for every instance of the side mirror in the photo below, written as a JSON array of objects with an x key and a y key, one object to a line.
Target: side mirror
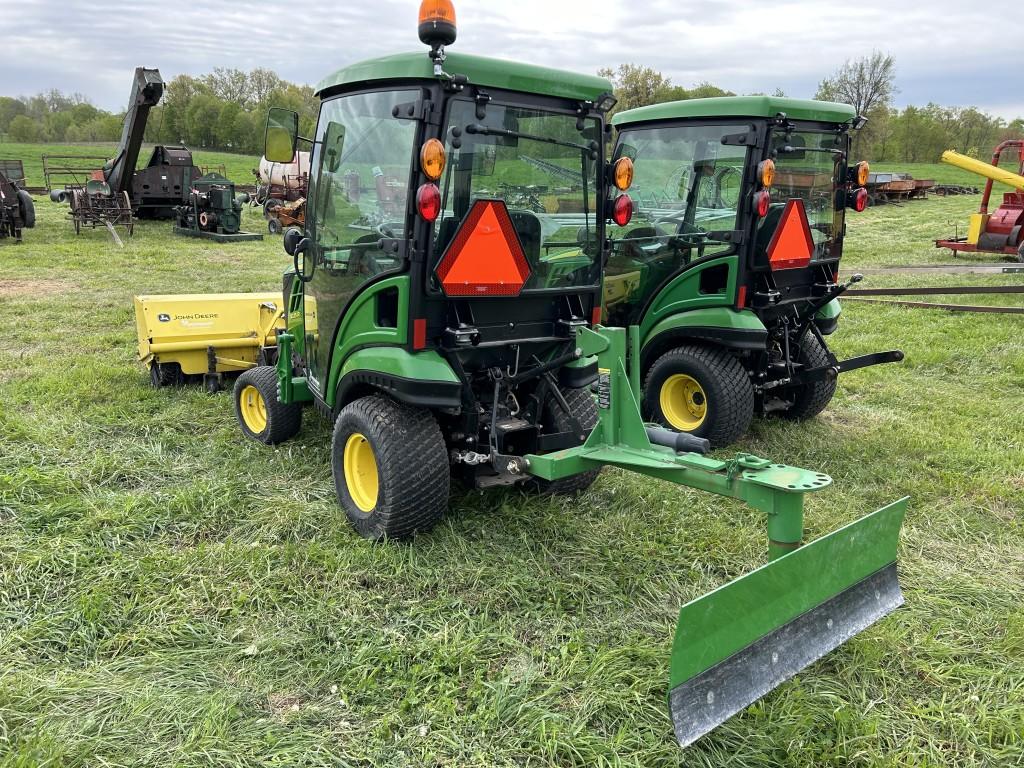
[
  {"x": 282, "y": 135},
  {"x": 291, "y": 239},
  {"x": 334, "y": 141}
]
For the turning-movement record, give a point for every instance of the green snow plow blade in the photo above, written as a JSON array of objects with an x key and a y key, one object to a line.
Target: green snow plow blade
[
  {"x": 734, "y": 645},
  {"x": 737, "y": 643}
]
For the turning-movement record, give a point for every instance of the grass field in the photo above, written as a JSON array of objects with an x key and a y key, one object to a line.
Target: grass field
[
  {"x": 171, "y": 594},
  {"x": 238, "y": 167}
]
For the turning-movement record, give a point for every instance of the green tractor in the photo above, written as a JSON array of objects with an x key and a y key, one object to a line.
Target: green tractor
[
  {"x": 730, "y": 265},
  {"x": 441, "y": 312}
]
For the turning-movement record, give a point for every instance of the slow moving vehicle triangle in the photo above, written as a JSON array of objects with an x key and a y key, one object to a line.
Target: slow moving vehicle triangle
[
  {"x": 486, "y": 257},
  {"x": 792, "y": 245}
]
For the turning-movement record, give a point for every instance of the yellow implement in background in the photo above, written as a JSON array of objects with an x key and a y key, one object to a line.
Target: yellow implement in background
[{"x": 206, "y": 334}]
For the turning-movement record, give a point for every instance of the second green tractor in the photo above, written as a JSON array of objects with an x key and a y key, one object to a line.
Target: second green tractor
[{"x": 730, "y": 264}]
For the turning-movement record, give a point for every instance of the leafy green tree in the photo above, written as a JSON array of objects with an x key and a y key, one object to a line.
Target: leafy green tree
[
  {"x": 867, "y": 84},
  {"x": 24, "y": 129},
  {"x": 201, "y": 120},
  {"x": 10, "y": 108}
]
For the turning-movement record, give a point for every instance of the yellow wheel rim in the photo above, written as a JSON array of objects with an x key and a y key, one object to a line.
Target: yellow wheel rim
[
  {"x": 683, "y": 402},
  {"x": 360, "y": 468},
  {"x": 254, "y": 410}
]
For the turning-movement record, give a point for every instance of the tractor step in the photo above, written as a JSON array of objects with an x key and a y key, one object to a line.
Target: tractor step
[{"x": 737, "y": 643}]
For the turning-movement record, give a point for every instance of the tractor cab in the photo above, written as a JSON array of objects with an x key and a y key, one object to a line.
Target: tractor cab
[
  {"x": 452, "y": 248},
  {"x": 733, "y": 253}
]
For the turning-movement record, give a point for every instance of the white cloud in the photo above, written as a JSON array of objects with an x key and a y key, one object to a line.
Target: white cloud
[{"x": 943, "y": 48}]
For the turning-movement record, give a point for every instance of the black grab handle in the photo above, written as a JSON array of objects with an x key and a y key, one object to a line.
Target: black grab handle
[{"x": 680, "y": 442}]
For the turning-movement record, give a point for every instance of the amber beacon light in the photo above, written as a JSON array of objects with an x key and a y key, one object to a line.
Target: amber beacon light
[{"x": 437, "y": 23}]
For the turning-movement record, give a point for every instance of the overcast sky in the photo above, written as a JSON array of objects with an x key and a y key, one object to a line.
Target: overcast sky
[{"x": 744, "y": 46}]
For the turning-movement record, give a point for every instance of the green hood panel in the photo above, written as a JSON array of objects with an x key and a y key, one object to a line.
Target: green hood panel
[
  {"x": 738, "y": 106},
  {"x": 495, "y": 73}
]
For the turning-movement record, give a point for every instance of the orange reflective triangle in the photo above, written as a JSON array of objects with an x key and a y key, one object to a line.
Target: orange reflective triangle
[
  {"x": 792, "y": 245},
  {"x": 485, "y": 258}
]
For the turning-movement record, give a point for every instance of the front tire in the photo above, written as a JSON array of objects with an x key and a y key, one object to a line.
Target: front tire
[
  {"x": 260, "y": 414},
  {"x": 390, "y": 466},
  {"x": 581, "y": 404},
  {"x": 700, "y": 390},
  {"x": 810, "y": 399}
]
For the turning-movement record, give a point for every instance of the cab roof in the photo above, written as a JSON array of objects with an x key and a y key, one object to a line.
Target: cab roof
[
  {"x": 494, "y": 73},
  {"x": 738, "y": 106}
]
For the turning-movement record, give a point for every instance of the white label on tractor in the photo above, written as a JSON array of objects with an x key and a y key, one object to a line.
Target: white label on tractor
[{"x": 604, "y": 388}]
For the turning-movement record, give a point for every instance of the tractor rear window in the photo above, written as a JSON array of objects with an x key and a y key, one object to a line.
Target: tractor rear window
[
  {"x": 544, "y": 167},
  {"x": 807, "y": 167},
  {"x": 686, "y": 191}
]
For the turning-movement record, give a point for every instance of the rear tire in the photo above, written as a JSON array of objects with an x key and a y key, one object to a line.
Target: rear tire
[
  {"x": 260, "y": 414},
  {"x": 273, "y": 226},
  {"x": 583, "y": 408},
  {"x": 390, "y": 466},
  {"x": 810, "y": 399},
  {"x": 1020, "y": 253},
  {"x": 700, "y": 390}
]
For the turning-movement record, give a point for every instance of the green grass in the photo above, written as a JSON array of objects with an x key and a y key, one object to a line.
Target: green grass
[
  {"x": 238, "y": 167},
  {"x": 171, "y": 594}
]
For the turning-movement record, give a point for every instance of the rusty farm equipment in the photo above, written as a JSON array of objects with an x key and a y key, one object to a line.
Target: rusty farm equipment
[
  {"x": 283, "y": 215},
  {"x": 213, "y": 211},
  {"x": 17, "y": 210},
  {"x": 94, "y": 204},
  {"x": 1001, "y": 231},
  {"x": 151, "y": 192}
]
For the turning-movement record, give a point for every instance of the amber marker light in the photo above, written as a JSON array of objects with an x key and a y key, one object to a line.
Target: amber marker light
[
  {"x": 623, "y": 173},
  {"x": 863, "y": 169},
  {"x": 766, "y": 173},
  {"x": 432, "y": 159}
]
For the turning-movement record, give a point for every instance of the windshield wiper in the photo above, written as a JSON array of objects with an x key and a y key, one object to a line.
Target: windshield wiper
[{"x": 485, "y": 130}]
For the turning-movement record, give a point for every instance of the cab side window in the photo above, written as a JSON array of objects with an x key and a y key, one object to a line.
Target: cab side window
[{"x": 359, "y": 191}]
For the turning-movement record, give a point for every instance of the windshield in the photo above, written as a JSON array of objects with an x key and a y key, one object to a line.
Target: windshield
[
  {"x": 686, "y": 190},
  {"x": 807, "y": 167},
  {"x": 544, "y": 166}
]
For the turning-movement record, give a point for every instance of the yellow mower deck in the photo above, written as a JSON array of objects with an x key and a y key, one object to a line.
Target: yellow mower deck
[{"x": 207, "y": 333}]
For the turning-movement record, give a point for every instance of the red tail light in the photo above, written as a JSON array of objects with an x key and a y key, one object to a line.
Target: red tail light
[
  {"x": 762, "y": 201},
  {"x": 428, "y": 201},
  {"x": 860, "y": 200},
  {"x": 622, "y": 210},
  {"x": 595, "y": 315}
]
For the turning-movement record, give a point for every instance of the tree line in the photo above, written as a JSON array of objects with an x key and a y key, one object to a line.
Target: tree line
[
  {"x": 227, "y": 110},
  {"x": 224, "y": 110}
]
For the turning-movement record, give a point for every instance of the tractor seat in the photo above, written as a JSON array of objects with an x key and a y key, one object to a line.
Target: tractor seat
[{"x": 766, "y": 229}]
